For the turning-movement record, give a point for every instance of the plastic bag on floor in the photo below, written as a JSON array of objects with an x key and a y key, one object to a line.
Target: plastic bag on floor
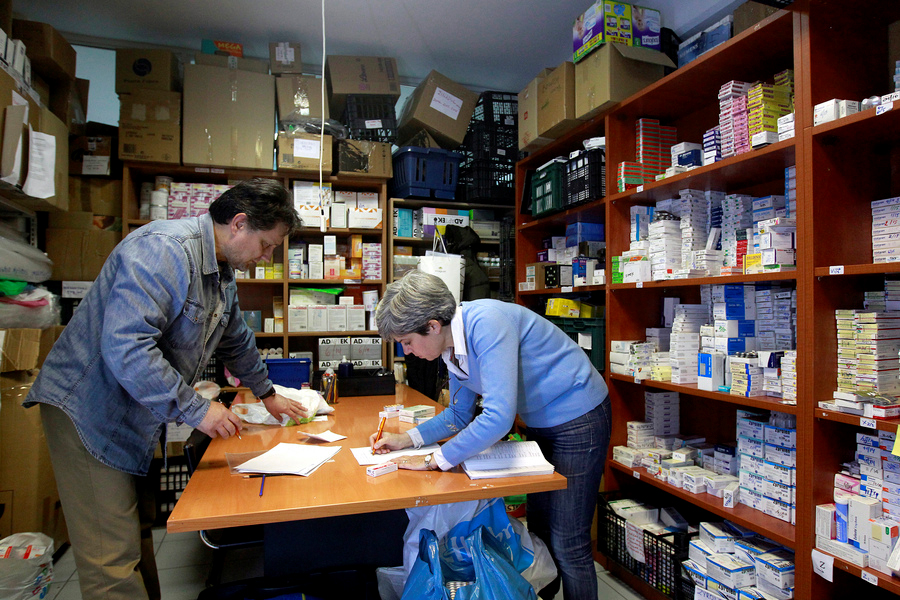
[{"x": 26, "y": 566}]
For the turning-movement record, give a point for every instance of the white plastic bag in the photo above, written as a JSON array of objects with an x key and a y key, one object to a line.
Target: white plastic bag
[
  {"x": 22, "y": 262},
  {"x": 450, "y": 268},
  {"x": 256, "y": 412},
  {"x": 28, "y": 570}
]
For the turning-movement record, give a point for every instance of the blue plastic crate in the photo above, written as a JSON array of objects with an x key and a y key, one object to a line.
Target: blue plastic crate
[
  {"x": 425, "y": 172},
  {"x": 289, "y": 372}
]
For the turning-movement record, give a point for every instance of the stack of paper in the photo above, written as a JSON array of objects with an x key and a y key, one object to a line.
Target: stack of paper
[
  {"x": 289, "y": 459},
  {"x": 508, "y": 459}
]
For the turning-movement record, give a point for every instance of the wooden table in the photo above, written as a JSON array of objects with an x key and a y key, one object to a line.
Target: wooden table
[{"x": 215, "y": 498}]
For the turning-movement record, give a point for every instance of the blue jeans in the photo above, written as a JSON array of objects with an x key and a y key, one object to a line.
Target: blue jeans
[{"x": 562, "y": 518}]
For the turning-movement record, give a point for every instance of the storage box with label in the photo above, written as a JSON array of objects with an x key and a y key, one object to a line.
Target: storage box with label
[
  {"x": 49, "y": 124},
  {"x": 150, "y": 126},
  {"x": 284, "y": 57},
  {"x": 232, "y": 62},
  {"x": 91, "y": 154},
  {"x": 612, "y": 73},
  {"x": 529, "y": 140},
  {"x": 299, "y": 151},
  {"x": 441, "y": 107},
  {"x": 361, "y": 157},
  {"x": 300, "y": 97},
  {"x": 141, "y": 68},
  {"x": 364, "y": 218},
  {"x": 556, "y": 102},
  {"x": 229, "y": 117},
  {"x": 346, "y": 75}
]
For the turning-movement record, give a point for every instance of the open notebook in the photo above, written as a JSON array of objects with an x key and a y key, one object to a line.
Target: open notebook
[{"x": 508, "y": 459}]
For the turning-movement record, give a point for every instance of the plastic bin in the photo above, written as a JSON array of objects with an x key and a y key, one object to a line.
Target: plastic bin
[
  {"x": 548, "y": 188},
  {"x": 487, "y": 181},
  {"x": 663, "y": 553},
  {"x": 425, "y": 172},
  {"x": 497, "y": 108},
  {"x": 289, "y": 372},
  {"x": 371, "y": 117},
  {"x": 497, "y": 143},
  {"x": 594, "y": 327},
  {"x": 586, "y": 176},
  {"x": 172, "y": 479}
]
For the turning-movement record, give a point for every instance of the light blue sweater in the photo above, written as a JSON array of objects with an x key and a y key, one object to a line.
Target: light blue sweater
[{"x": 518, "y": 362}]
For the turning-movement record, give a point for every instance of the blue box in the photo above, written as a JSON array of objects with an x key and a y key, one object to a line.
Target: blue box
[
  {"x": 404, "y": 222},
  {"x": 690, "y": 158},
  {"x": 289, "y": 372},
  {"x": 584, "y": 232}
]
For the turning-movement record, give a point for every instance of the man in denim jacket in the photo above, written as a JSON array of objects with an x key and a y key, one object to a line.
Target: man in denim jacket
[{"x": 126, "y": 364}]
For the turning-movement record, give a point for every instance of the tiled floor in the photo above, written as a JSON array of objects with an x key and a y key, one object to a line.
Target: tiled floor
[{"x": 183, "y": 563}]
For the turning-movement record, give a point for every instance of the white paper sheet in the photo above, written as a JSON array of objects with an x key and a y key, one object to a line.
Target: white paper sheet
[
  {"x": 325, "y": 436},
  {"x": 39, "y": 183},
  {"x": 365, "y": 457},
  {"x": 293, "y": 459}
]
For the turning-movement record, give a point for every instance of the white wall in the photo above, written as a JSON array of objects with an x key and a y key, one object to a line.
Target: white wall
[{"x": 99, "y": 67}]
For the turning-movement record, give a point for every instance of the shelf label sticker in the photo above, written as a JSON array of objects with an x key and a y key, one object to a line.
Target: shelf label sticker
[
  {"x": 883, "y": 108},
  {"x": 639, "y": 284},
  {"x": 836, "y": 270},
  {"x": 639, "y": 189},
  {"x": 823, "y": 565},
  {"x": 220, "y": 171},
  {"x": 870, "y": 423},
  {"x": 201, "y": 169},
  {"x": 636, "y": 474},
  {"x": 870, "y": 577},
  {"x": 637, "y": 380},
  {"x": 566, "y": 289}
]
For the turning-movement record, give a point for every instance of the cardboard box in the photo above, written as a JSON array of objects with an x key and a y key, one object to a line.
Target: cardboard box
[
  {"x": 284, "y": 58},
  {"x": 529, "y": 140},
  {"x": 68, "y": 101},
  {"x": 420, "y": 139},
  {"x": 50, "y": 124},
  {"x": 95, "y": 195},
  {"x": 146, "y": 69},
  {"x": 359, "y": 75},
  {"x": 300, "y": 96},
  {"x": 52, "y": 57},
  {"x": 150, "y": 126},
  {"x": 232, "y": 62},
  {"x": 440, "y": 106},
  {"x": 749, "y": 14},
  {"x": 91, "y": 154},
  {"x": 360, "y": 157},
  {"x": 612, "y": 73},
  {"x": 229, "y": 117},
  {"x": 556, "y": 102},
  {"x": 299, "y": 151},
  {"x": 19, "y": 349},
  {"x": 27, "y": 486},
  {"x": 79, "y": 254}
]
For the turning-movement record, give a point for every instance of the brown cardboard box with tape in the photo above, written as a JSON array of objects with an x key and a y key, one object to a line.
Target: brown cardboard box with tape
[
  {"x": 441, "y": 107},
  {"x": 150, "y": 126}
]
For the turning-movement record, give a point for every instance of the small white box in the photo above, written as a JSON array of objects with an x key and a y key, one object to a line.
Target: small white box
[
  {"x": 730, "y": 570},
  {"x": 382, "y": 469},
  {"x": 717, "y": 538},
  {"x": 777, "y": 568}
]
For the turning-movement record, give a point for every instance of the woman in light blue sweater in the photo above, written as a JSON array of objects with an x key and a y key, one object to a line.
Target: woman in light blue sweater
[{"x": 519, "y": 363}]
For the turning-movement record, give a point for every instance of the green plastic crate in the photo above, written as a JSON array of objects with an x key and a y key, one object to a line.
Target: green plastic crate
[
  {"x": 595, "y": 327},
  {"x": 549, "y": 189}
]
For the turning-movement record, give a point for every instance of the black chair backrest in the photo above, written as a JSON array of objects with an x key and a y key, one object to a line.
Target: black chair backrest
[{"x": 194, "y": 447}]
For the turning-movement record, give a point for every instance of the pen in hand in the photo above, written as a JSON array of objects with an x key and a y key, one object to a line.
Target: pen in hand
[{"x": 378, "y": 436}]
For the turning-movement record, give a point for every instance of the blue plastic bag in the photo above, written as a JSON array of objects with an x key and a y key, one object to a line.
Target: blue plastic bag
[{"x": 495, "y": 578}]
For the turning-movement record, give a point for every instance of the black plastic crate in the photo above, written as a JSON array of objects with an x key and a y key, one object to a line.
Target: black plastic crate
[
  {"x": 507, "y": 291},
  {"x": 663, "y": 554},
  {"x": 497, "y": 108},
  {"x": 489, "y": 142},
  {"x": 371, "y": 117},
  {"x": 488, "y": 181},
  {"x": 586, "y": 176},
  {"x": 171, "y": 480}
]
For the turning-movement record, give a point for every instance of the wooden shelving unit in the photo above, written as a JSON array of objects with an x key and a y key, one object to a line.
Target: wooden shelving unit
[
  {"x": 841, "y": 167},
  {"x": 257, "y": 294}
]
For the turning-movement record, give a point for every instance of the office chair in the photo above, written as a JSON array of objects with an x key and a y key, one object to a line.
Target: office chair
[{"x": 220, "y": 540}]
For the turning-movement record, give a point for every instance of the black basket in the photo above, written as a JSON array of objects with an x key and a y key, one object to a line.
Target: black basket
[
  {"x": 489, "y": 142},
  {"x": 371, "y": 117},
  {"x": 663, "y": 553},
  {"x": 497, "y": 108},
  {"x": 586, "y": 176},
  {"x": 169, "y": 481},
  {"x": 487, "y": 181},
  {"x": 507, "y": 291}
]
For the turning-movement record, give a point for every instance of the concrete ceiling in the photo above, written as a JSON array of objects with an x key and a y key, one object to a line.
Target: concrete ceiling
[{"x": 484, "y": 44}]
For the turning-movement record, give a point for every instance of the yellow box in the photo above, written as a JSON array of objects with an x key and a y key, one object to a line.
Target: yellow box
[
  {"x": 752, "y": 263},
  {"x": 278, "y": 270},
  {"x": 270, "y": 271},
  {"x": 563, "y": 307},
  {"x": 356, "y": 243}
]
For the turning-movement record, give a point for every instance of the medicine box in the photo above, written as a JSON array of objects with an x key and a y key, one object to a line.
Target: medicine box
[
  {"x": 777, "y": 568},
  {"x": 717, "y": 537},
  {"x": 731, "y": 571}
]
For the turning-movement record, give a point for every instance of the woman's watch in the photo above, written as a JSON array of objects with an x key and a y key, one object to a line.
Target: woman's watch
[{"x": 429, "y": 460}]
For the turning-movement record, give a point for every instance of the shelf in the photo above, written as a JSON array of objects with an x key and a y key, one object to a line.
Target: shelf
[
  {"x": 334, "y": 281},
  {"x": 594, "y": 211},
  {"x": 435, "y": 203},
  {"x": 581, "y": 289},
  {"x": 763, "y": 402},
  {"x": 839, "y": 417},
  {"x": 301, "y": 334},
  {"x": 730, "y": 175},
  {"x": 892, "y": 584},
  {"x": 720, "y": 280},
  {"x": 337, "y": 231},
  {"x": 758, "y": 521},
  {"x": 867, "y": 125},
  {"x": 865, "y": 269},
  {"x": 263, "y": 334}
]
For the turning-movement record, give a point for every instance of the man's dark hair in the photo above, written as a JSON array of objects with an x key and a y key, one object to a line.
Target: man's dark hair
[{"x": 265, "y": 202}]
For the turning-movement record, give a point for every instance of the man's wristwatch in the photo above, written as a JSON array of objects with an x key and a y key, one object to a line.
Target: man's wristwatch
[
  {"x": 429, "y": 461},
  {"x": 268, "y": 394}
]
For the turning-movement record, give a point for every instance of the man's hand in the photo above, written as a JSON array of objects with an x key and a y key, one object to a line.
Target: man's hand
[
  {"x": 220, "y": 421},
  {"x": 278, "y": 405}
]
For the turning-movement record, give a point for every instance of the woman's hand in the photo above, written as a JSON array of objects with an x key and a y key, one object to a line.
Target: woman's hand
[
  {"x": 389, "y": 442},
  {"x": 413, "y": 463}
]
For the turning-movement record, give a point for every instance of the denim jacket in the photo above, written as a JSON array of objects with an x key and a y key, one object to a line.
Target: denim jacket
[{"x": 127, "y": 361}]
